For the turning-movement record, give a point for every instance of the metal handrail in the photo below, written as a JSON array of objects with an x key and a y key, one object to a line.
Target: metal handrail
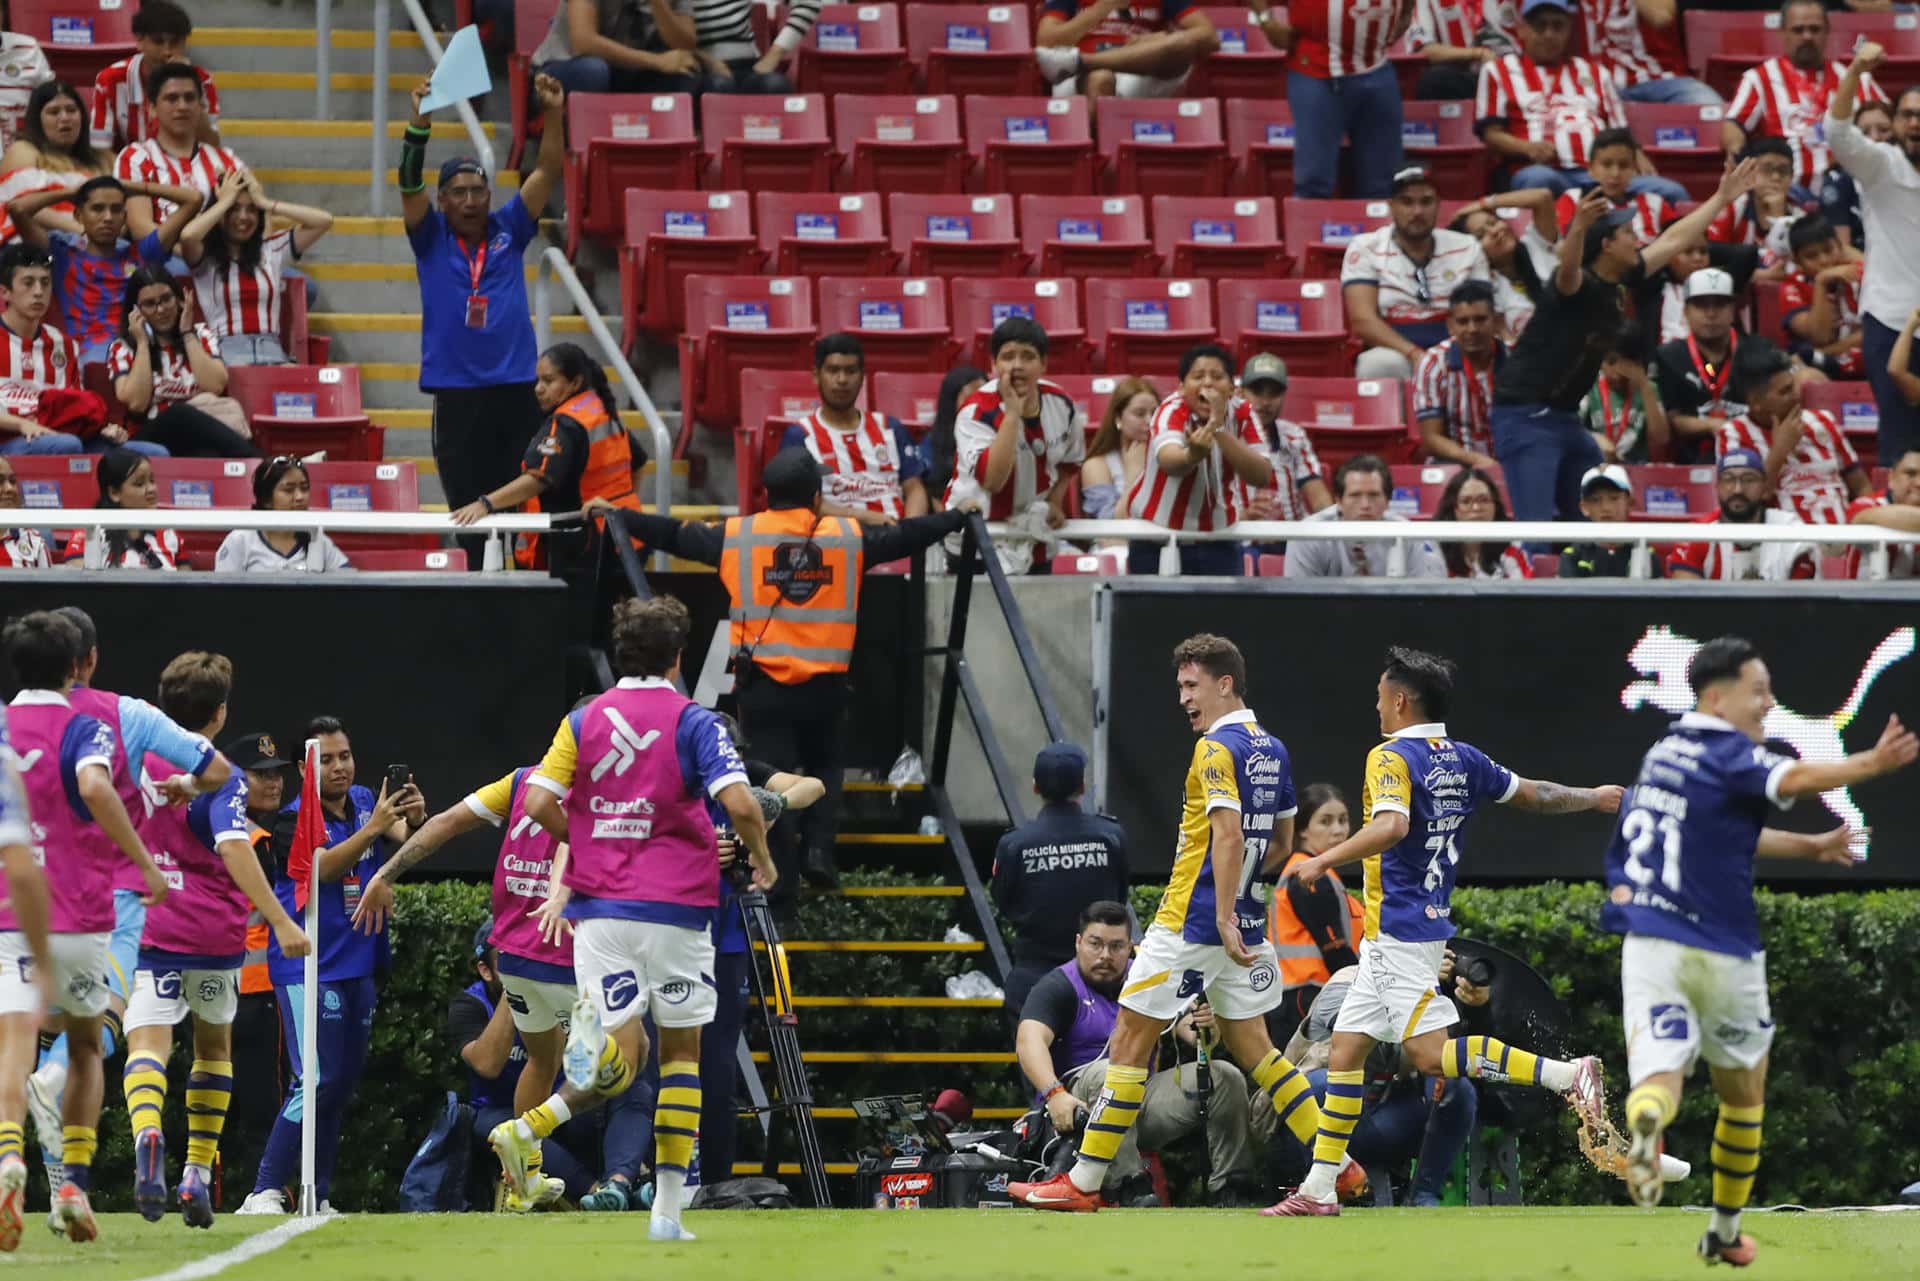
[{"x": 382, "y": 59}]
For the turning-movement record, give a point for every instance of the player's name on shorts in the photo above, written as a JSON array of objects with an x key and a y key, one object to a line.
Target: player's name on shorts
[{"x": 1062, "y": 858}]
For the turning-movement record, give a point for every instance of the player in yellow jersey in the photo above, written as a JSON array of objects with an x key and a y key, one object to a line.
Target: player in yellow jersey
[{"x": 1209, "y": 935}]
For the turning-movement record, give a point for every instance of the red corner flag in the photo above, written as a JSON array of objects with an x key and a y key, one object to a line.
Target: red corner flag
[{"x": 310, "y": 833}]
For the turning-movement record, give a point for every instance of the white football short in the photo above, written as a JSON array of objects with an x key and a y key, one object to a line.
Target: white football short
[
  {"x": 631, "y": 968},
  {"x": 1683, "y": 1003},
  {"x": 79, "y": 981},
  {"x": 161, "y": 998},
  {"x": 536, "y": 1005},
  {"x": 1394, "y": 996},
  {"x": 1168, "y": 972}
]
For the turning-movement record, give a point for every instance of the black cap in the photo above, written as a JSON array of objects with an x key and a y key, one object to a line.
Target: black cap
[
  {"x": 792, "y": 478},
  {"x": 256, "y": 752},
  {"x": 481, "y": 936},
  {"x": 1602, "y": 231},
  {"x": 1059, "y": 771}
]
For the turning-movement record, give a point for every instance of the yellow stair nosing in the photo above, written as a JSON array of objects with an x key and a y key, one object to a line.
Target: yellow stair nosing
[
  {"x": 409, "y": 371},
  {"x": 367, "y": 225},
  {"x": 295, "y": 38},
  {"x": 889, "y": 838},
  {"x": 397, "y": 81},
  {"x": 874, "y": 785}
]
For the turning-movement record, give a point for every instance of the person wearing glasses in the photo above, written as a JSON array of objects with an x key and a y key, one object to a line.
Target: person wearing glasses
[
  {"x": 1397, "y": 280},
  {"x": 280, "y": 485},
  {"x": 167, "y": 371}
]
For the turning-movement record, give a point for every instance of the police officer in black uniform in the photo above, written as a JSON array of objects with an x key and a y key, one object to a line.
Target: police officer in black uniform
[{"x": 1050, "y": 867}]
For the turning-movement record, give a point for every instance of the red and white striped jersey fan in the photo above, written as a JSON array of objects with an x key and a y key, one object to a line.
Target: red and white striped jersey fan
[
  {"x": 174, "y": 382},
  {"x": 120, "y": 103},
  {"x": 1778, "y": 100},
  {"x": 859, "y": 469},
  {"x": 1565, "y": 104},
  {"x": 29, "y": 366},
  {"x": 1615, "y": 42},
  {"x": 1341, "y": 37},
  {"x": 1447, "y": 387},
  {"x": 1210, "y": 496},
  {"x": 1050, "y": 449},
  {"x": 1651, "y": 214},
  {"x": 148, "y": 161},
  {"x": 234, "y": 300},
  {"x": 1813, "y": 482}
]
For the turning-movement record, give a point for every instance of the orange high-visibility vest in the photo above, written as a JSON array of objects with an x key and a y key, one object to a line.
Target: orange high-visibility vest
[
  {"x": 1301, "y": 964},
  {"x": 253, "y": 970},
  {"x": 794, "y": 579},
  {"x": 608, "y": 473}
]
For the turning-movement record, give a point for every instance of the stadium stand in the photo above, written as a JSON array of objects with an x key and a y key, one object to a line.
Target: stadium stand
[
  {"x": 618, "y": 143},
  {"x": 853, "y": 49},
  {"x": 955, "y": 235},
  {"x": 971, "y": 48},
  {"x": 1143, "y": 326},
  {"x": 1088, "y": 235},
  {"x": 981, "y": 303},
  {"x": 1031, "y": 144},
  {"x": 823, "y": 233},
  {"x": 899, "y": 143},
  {"x": 1162, "y": 144},
  {"x": 770, "y": 143},
  {"x": 670, "y": 235},
  {"x": 1216, "y": 236}
]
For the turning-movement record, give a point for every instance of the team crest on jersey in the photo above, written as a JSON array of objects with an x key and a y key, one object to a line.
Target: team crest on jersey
[
  {"x": 799, "y": 571},
  {"x": 500, "y": 244},
  {"x": 59, "y": 356}
]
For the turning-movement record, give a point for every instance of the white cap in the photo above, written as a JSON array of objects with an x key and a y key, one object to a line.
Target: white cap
[
  {"x": 1613, "y": 473},
  {"x": 1709, "y": 282}
]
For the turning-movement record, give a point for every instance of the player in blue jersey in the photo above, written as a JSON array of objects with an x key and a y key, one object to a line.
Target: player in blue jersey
[
  {"x": 1693, "y": 975},
  {"x": 1421, "y": 787}
]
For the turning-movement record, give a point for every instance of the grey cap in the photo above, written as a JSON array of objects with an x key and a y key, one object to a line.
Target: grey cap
[{"x": 1263, "y": 367}]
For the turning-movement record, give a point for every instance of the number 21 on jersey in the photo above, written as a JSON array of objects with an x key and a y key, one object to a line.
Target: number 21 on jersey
[{"x": 1642, "y": 829}]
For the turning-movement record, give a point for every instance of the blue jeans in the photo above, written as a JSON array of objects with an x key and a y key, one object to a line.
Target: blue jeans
[
  {"x": 253, "y": 349},
  {"x": 1365, "y": 109},
  {"x": 1899, "y": 421},
  {"x": 1219, "y": 560},
  {"x": 1673, "y": 90},
  {"x": 340, "y": 1051},
  {"x": 594, "y": 75},
  {"x": 53, "y": 442},
  {"x": 1409, "y": 1125},
  {"x": 101, "y": 445},
  {"x": 1543, "y": 453},
  {"x": 1559, "y": 181}
]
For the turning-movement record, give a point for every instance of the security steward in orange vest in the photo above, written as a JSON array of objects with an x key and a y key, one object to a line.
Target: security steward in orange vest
[
  {"x": 256, "y": 1025},
  {"x": 793, "y": 577},
  {"x": 1316, "y": 930}
]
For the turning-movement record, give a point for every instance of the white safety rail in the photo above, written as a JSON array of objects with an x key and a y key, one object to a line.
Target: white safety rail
[{"x": 382, "y": 60}]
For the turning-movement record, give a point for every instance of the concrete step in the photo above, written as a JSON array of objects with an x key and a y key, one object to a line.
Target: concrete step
[
  {"x": 336, "y": 144},
  {"x": 342, "y": 190},
  {"x": 225, "y": 49},
  {"x": 289, "y": 95},
  {"x": 284, "y": 13}
]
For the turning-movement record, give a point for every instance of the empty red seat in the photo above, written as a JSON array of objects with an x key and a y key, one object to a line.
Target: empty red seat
[
  {"x": 1853, "y": 405},
  {"x": 304, "y": 409},
  {"x": 669, "y": 236},
  {"x": 1163, "y": 144},
  {"x": 1683, "y": 141},
  {"x": 899, "y": 143},
  {"x": 973, "y": 48},
  {"x": 823, "y": 232},
  {"x": 371, "y": 487},
  {"x": 766, "y": 142},
  {"x": 901, "y": 321},
  {"x": 1304, "y": 322},
  {"x": 79, "y": 37},
  {"x": 954, "y": 235},
  {"x": 532, "y": 19},
  {"x": 912, "y": 398},
  {"x": 1671, "y": 491},
  {"x": 1218, "y": 236},
  {"x": 401, "y": 560},
  {"x": 56, "y": 480},
  {"x": 1318, "y": 231},
  {"x": 853, "y": 48},
  {"x": 1032, "y": 144},
  {"x": 981, "y": 303},
  {"x": 1349, "y": 416},
  {"x": 1087, "y": 235},
  {"x": 1260, "y": 137},
  {"x": 733, "y": 323},
  {"x": 1105, "y": 564},
  {"x": 617, "y": 142},
  {"x": 1246, "y": 65},
  {"x": 1440, "y": 136},
  {"x": 205, "y": 484},
  {"x": 1144, "y": 326}
]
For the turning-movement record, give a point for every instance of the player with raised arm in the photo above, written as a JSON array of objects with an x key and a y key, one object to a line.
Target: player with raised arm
[
  {"x": 1693, "y": 975},
  {"x": 1210, "y": 932},
  {"x": 1420, "y": 789}
]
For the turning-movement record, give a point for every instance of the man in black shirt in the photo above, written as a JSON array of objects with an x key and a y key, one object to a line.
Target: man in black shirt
[
  {"x": 1606, "y": 495},
  {"x": 1694, "y": 373},
  {"x": 1537, "y": 434}
]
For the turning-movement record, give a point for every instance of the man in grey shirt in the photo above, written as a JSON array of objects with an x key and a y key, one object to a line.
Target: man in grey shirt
[{"x": 1361, "y": 488}]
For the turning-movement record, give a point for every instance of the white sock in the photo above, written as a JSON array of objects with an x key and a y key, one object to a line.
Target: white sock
[
  {"x": 1319, "y": 1182},
  {"x": 667, "y": 1186},
  {"x": 1725, "y": 1226},
  {"x": 1088, "y": 1176},
  {"x": 1556, "y": 1075},
  {"x": 558, "y": 1106},
  {"x": 205, "y": 1171}
]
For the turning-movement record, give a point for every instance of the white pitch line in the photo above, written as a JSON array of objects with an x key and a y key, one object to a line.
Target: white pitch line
[{"x": 252, "y": 1248}]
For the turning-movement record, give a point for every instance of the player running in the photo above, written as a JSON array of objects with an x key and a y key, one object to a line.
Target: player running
[
  {"x": 1209, "y": 934},
  {"x": 1693, "y": 975},
  {"x": 1420, "y": 789},
  {"x": 643, "y": 885},
  {"x": 26, "y": 892}
]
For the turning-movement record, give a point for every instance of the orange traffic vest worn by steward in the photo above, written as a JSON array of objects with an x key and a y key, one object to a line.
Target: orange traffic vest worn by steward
[
  {"x": 608, "y": 473},
  {"x": 1301, "y": 964},
  {"x": 253, "y": 970},
  {"x": 795, "y": 582}
]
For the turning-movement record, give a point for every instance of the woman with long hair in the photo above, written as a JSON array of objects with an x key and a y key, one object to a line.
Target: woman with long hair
[
  {"x": 1118, "y": 452},
  {"x": 127, "y": 484},
  {"x": 50, "y": 151},
  {"x": 280, "y": 485},
  {"x": 1471, "y": 495},
  {"x": 1318, "y": 916},
  {"x": 161, "y": 361},
  {"x": 960, "y": 383},
  {"x": 239, "y": 264}
]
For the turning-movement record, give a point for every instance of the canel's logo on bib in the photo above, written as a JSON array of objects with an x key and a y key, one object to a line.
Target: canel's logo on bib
[
  {"x": 628, "y": 743},
  {"x": 1661, "y": 656}
]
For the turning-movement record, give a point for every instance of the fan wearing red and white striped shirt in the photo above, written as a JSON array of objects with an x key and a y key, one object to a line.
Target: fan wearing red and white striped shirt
[
  {"x": 1820, "y": 300},
  {"x": 35, "y": 358},
  {"x": 1541, "y": 108},
  {"x": 174, "y": 155},
  {"x": 1018, "y": 441},
  {"x": 1810, "y": 465},
  {"x": 1613, "y": 162},
  {"x": 1898, "y": 508},
  {"x": 869, "y": 469},
  {"x": 239, "y": 264},
  {"x": 1455, "y": 37},
  {"x": 1340, "y": 84},
  {"x": 120, "y": 103},
  {"x": 1787, "y": 97},
  {"x": 1617, "y": 40}
]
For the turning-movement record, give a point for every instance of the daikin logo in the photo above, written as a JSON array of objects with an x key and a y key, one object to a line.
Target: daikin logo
[{"x": 627, "y": 745}]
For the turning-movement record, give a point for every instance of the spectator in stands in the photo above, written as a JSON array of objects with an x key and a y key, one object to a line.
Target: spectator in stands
[
  {"x": 1299, "y": 483},
  {"x": 1361, "y": 489},
  {"x": 50, "y": 152},
  {"x": 1786, "y": 96},
  {"x": 90, "y": 269},
  {"x": 176, "y": 153},
  {"x": 161, "y": 29},
  {"x": 1617, "y": 166},
  {"x": 1205, "y": 459},
  {"x": 1518, "y": 262},
  {"x": 869, "y": 467},
  {"x": 21, "y": 547},
  {"x": 612, "y": 46},
  {"x": 1606, "y": 496},
  {"x": 1810, "y": 464},
  {"x": 1663, "y": 300},
  {"x": 280, "y": 484},
  {"x": 40, "y": 368},
  {"x": 1315, "y": 929},
  {"x": 1472, "y": 496},
  {"x": 23, "y": 68},
  {"x": 239, "y": 266},
  {"x": 1623, "y": 413},
  {"x": 166, "y": 369},
  {"x": 127, "y": 484},
  {"x": 1537, "y": 435},
  {"x": 1839, "y": 194},
  {"x": 1117, "y": 454},
  {"x": 955, "y": 390},
  {"x": 1049, "y": 868},
  {"x": 1740, "y": 484},
  {"x": 1820, "y": 300},
  {"x": 477, "y": 350},
  {"x": 1898, "y": 508},
  {"x": 727, "y": 40},
  {"x": 1396, "y": 280},
  {"x": 1900, "y": 363},
  {"x": 1453, "y": 386},
  {"x": 1616, "y": 40},
  {"x": 1764, "y": 215},
  {"x": 1455, "y": 39},
  {"x": 1694, "y": 374},
  {"x": 1340, "y": 84},
  {"x": 1112, "y": 47}
]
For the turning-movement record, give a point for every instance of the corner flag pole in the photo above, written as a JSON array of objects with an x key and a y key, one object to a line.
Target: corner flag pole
[{"x": 310, "y": 1006}]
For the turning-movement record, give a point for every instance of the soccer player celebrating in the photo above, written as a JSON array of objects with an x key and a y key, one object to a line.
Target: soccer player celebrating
[
  {"x": 191, "y": 948},
  {"x": 1693, "y": 976},
  {"x": 642, "y": 892},
  {"x": 1209, "y": 934},
  {"x": 1421, "y": 787}
]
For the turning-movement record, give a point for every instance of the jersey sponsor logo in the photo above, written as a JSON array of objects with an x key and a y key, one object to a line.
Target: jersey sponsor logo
[
  {"x": 1260, "y": 977},
  {"x": 622, "y": 829},
  {"x": 798, "y": 571},
  {"x": 167, "y": 986},
  {"x": 676, "y": 992},
  {"x": 1668, "y": 1022},
  {"x": 1192, "y": 983},
  {"x": 618, "y": 990},
  {"x": 627, "y": 745},
  {"x": 331, "y": 1000}
]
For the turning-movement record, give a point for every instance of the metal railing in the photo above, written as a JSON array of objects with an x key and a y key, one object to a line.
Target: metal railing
[{"x": 382, "y": 60}]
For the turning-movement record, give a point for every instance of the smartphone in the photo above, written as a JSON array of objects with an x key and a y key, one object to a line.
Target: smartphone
[{"x": 398, "y": 776}]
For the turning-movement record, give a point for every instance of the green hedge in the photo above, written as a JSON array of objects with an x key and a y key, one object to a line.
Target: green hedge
[{"x": 1843, "y": 1124}]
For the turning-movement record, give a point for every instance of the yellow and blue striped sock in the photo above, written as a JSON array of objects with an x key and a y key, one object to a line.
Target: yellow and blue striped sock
[
  {"x": 614, "y": 1073},
  {"x": 78, "y": 1143},
  {"x": 1488, "y": 1058},
  {"x": 1652, "y": 1100},
  {"x": 146, "y": 1085},
  {"x": 1736, "y": 1156},
  {"x": 1286, "y": 1087},
  {"x": 544, "y": 1118},
  {"x": 1113, "y": 1114},
  {"x": 209, "y": 1092},
  {"x": 676, "y": 1126},
  {"x": 1339, "y": 1113},
  {"x": 13, "y": 1141}
]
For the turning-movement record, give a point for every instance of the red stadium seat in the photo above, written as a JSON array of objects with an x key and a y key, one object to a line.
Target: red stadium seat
[
  {"x": 980, "y": 303},
  {"x": 1853, "y": 404},
  {"x": 898, "y": 144},
  {"x": 1349, "y": 416},
  {"x": 1317, "y": 231},
  {"x": 670, "y": 235},
  {"x": 854, "y": 48},
  {"x": 901, "y": 321},
  {"x": 1105, "y": 564},
  {"x": 1271, "y": 565},
  {"x": 955, "y": 235},
  {"x": 80, "y": 37},
  {"x": 206, "y": 484},
  {"x": 1247, "y": 65},
  {"x": 1669, "y": 491},
  {"x": 98, "y": 379},
  {"x": 1304, "y": 322},
  {"x": 401, "y": 560},
  {"x": 56, "y": 480},
  {"x": 303, "y": 409},
  {"x": 1440, "y": 136},
  {"x": 973, "y": 48},
  {"x": 1769, "y": 320},
  {"x": 1142, "y": 327},
  {"x": 375, "y": 487},
  {"x": 823, "y": 232},
  {"x": 1682, "y": 141},
  {"x": 531, "y": 21},
  {"x": 1163, "y": 144},
  {"x": 733, "y": 323},
  {"x": 766, "y": 142},
  {"x": 1032, "y": 144},
  {"x": 912, "y": 398},
  {"x": 1090, "y": 393},
  {"x": 1087, "y": 235},
  {"x": 1218, "y": 236},
  {"x": 1260, "y": 137},
  {"x": 619, "y": 142}
]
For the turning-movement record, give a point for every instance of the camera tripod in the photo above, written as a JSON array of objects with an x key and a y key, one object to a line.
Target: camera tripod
[{"x": 795, "y": 1101}]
